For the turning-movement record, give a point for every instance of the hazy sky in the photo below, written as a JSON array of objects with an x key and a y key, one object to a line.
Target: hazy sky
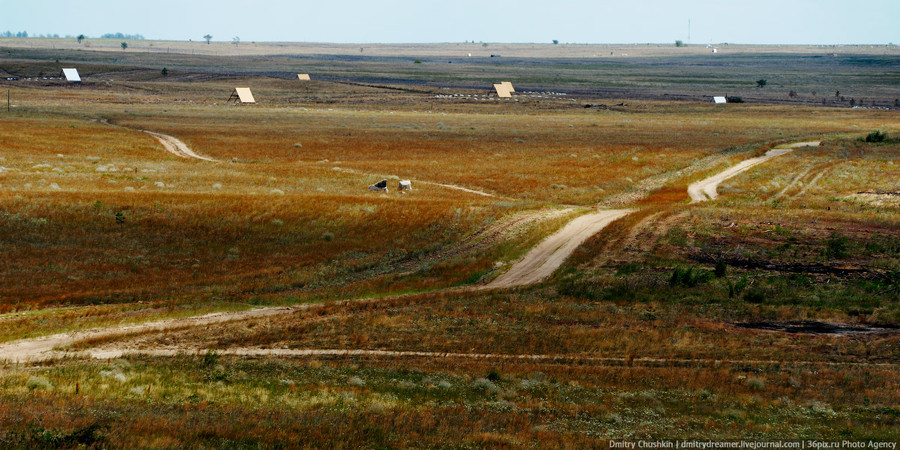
[{"x": 581, "y": 21}]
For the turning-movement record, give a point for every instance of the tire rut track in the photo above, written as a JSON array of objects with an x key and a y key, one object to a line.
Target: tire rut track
[{"x": 568, "y": 359}]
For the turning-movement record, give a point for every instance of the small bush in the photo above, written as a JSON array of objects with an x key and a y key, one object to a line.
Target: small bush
[
  {"x": 721, "y": 269},
  {"x": 689, "y": 278},
  {"x": 836, "y": 246},
  {"x": 493, "y": 375},
  {"x": 734, "y": 99},
  {"x": 40, "y": 437},
  {"x": 485, "y": 385},
  {"x": 756, "y": 383},
  {"x": 755, "y": 295},
  {"x": 38, "y": 383},
  {"x": 876, "y": 136},
  {"x": 210, "y": 359}
]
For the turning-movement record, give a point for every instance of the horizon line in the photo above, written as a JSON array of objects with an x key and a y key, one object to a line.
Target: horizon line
[{"x": 201, "y": 41}]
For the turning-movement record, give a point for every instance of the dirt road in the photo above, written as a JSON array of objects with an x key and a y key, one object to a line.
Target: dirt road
[
  {"x": 432, "y": 183},
  {"x": 538, "y": 264},
  {"x": 171, "y": 144},
  {"x": 109, "y": 353},
  {"x": 176, "y": 147},
  {"x": 704, "y": 190},
  {"x": 547, "y": 256},
  {"x": 42, "y": 348}
]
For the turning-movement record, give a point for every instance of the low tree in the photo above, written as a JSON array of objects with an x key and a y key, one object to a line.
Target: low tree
[
  {"x": 235, "y": 40},
  {"x": 208, "y": 38},
  {"x": 80, "y": 38},
  {"x": 679, "y": 43},
  {"x": 165, "y": 72},
  {"x": 124, "y": 45},
  {"x": 761, "y": 82},
  {"x": 555, "y": 41}
]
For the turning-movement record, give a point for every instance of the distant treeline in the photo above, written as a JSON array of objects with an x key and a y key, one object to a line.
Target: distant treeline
[
  {"x": 105, "y": 36},
  {"x": 122, "y": 36}
]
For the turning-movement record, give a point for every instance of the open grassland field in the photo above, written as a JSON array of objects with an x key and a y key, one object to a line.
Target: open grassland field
[
  {"x": 770, "y": 312},
  {"x": 867, "y": 76}
]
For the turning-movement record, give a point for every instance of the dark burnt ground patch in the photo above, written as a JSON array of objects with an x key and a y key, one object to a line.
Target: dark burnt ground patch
[{"x": 815, "y": 327}]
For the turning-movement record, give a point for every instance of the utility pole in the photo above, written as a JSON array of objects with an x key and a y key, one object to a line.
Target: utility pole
[
  {"x": 689, "y": 31},
  {"x": 7, "y": 100}
]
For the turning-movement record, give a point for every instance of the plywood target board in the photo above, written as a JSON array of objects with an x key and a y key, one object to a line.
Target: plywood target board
[
  {"x": 71, "y": 75},
  {"x": 244, "y": 95}
]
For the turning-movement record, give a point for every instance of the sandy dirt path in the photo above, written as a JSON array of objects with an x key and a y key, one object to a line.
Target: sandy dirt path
[
  {"x": 54, "y": 346},
  {"x": 176, "y": 147},
  {"x": 42, "y": 348},
  {"x": 432, "y": 183},
  {"x": 704, "y": 190},
  {"x": 546, "y": 257},
  {"x": 460, "y": 188},
  {"x": 171, "y": 144},
  {"x": 109, "y": 353}
]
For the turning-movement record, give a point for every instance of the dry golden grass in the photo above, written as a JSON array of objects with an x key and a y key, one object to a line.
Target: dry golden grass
[{"x": 123, "y": 232}]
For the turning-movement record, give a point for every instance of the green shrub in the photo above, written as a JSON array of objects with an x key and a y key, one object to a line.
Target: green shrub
[
  {"x": 721, "y": 269},
  {"x": 38, "y": 383},
  {"x": 756, "y": 383},
  {"x": 876, "y": 136},
  {"x": 210, "y": 359},
  {"x": 836, "y": 246},
  {"x": 755, "y": 295},
  {"x": 689, "y": 278}
]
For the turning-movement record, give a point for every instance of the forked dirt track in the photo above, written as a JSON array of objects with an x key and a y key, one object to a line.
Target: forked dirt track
[
  {"x": 705, "y": 189},
  {"x": 537, "y": 264}
]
